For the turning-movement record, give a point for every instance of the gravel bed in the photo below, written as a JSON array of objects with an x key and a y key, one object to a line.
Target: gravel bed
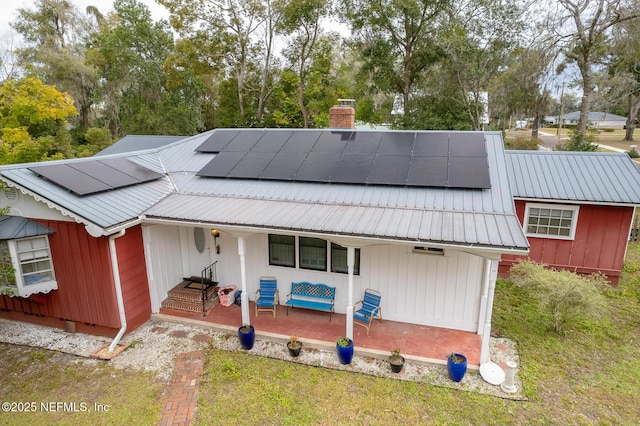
[{"x": 154, "y": 346}]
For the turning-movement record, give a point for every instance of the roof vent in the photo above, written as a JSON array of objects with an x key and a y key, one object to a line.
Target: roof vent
[{"x": 11, "y": 194}]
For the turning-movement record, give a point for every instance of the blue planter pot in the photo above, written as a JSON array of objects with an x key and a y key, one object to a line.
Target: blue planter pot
[
  {"x": 345, "y": 353},
  {"x": 455, "y": 369},
  {"x": 247, "y": 338}
]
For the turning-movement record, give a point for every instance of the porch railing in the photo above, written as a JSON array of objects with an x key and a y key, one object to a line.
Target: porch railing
[{"x": 208, "y": 278}]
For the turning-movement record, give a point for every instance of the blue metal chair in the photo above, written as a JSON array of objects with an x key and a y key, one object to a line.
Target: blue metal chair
[
  {"x": 367, "y": 309},
  {"x": 267, "y": 297}
]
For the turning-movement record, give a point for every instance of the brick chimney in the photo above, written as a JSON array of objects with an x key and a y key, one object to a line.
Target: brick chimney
[{"x": 343, "y": 115}]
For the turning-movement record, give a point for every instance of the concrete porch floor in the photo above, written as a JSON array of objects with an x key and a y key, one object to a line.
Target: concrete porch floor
[{"x": 423, "y": 343}]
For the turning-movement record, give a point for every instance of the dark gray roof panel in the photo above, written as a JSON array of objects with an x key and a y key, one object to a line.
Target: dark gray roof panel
[{"x": 16, "y": 227}]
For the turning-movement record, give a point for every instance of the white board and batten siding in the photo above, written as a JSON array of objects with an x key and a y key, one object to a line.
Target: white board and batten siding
[{"x": 428, "y": 289}]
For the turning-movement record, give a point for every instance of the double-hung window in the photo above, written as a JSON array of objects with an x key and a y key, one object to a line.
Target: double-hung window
[
  {"x": 282, "y": 250},
  {"x": 551, "y": 221},
  {"x": 26, "y": 267},
  {"x": 313, "y": 253},
  {"x": 339, "y": 260}
]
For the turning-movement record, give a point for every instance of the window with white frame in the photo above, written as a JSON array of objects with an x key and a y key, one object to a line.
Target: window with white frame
[
  {"x": 551, "y": 221},
  {"x": 26, "y": 267}
]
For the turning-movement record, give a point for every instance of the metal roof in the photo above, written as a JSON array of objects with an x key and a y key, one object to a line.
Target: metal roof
[
  {"x": 595, "y": 177},
  {"x": 13, "y": 227},
  {"x": 463, "y": 217},
  {"x": 594, "y": 116},
  {"x": 131, "y": 143}
]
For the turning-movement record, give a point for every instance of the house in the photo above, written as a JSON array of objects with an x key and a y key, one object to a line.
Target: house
[
  {"x": 423, "y": 217},
  {"x": 597, "y": 119},
  {"x": 576, "y": 208}
]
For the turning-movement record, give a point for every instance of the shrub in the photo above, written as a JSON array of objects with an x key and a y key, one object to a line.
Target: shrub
[
  {"x": 567, "y": 296},
  {"x": 521, "y": 142},
  {"x": 633, "y": 153}
]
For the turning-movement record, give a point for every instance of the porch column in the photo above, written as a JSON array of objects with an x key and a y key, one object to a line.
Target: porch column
[
  {"x": 244, "y": 297},
  {"x": 351, "y": 260},
  {"x": 491, "y": 276}
]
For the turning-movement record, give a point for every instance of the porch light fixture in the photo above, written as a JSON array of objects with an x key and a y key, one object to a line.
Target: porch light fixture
[{"x": 215, "y": 234}]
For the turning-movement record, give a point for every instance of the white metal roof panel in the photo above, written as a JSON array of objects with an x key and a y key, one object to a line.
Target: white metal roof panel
[{"x": 597, "y": 177}]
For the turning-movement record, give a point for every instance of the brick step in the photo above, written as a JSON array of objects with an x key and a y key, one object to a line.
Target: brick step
[
  {"x": 188, "y": 291},
  {"x": 183, "y": 305}
]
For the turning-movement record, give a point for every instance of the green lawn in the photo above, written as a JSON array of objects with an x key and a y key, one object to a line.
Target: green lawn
[{"x": 590, "y": 375}]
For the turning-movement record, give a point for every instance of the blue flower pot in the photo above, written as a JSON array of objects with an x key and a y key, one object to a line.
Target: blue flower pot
[
  {"x": 345, "y": 353},
  {"x": 455, "y": 369},
  {"x": 247, "y": 338}
]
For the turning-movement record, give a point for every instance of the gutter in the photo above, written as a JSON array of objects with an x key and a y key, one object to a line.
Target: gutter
[{"x": 118, "y": 287}]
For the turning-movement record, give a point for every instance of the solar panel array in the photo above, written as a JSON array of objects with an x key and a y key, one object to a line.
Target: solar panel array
[
  {"x": 431, "y": 159},
  {"x": 90, "y": 177}
]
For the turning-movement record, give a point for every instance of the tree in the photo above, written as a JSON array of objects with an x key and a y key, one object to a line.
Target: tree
[
  {"x": 624, "y": 71},
  {"x": 57, "y": 34},
  {"x": 397, "y": 41},
  {"x": 302, "y": 20},
  {"x": 32, "y": 121},
  {"x": 584, "y": 26},
  {"x": 131, "y": 52}
]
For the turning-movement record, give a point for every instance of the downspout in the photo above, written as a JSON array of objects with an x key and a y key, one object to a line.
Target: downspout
[{"x": 118, "y": 286}]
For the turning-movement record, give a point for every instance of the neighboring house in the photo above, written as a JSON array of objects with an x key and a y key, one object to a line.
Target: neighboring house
[
  {"x": 423, "y": 217},
  {"x": 577, "y": 208},
  {"x": 598, "y": 120}
]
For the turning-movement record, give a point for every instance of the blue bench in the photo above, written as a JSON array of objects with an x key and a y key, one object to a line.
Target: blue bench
[{"x": 311, "y": 296}]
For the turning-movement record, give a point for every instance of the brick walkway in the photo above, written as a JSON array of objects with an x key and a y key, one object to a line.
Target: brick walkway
[{"x": 182, "y": 392}]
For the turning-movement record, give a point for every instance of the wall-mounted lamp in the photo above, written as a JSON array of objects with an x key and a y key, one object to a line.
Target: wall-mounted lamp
[{"x": 215, "y": 234}]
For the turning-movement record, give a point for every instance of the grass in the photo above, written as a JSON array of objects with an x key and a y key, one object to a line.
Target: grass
[
  {"x": 614, "y": 139},
  {"x": 589, "y": 375}
]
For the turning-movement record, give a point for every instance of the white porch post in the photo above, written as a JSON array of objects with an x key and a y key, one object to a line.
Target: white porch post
[
  {"x": 244, "y": 297},
  {"x": 351, "y": 260},
  {"x": 491, "y": 276}
]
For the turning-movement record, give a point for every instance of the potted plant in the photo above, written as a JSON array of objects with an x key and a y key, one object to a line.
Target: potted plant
[
  {"x": 247, "y": 336},
  {"x": 345, "y": 348},
  {"x": 396, "y": 361},
  {"x": 456, "y": 366},
  {"x": 294, "y": 345}
]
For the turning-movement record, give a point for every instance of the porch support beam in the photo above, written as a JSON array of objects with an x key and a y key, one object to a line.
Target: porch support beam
[
  {"x": 491, "y": 266},
  {"x": 244, "y": 296},
  {"x": 351, "y": 260}
]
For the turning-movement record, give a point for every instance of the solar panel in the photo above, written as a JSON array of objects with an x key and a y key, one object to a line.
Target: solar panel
[
  {"x": 244, "y": 141},
  {"x": 251, "y": 165},
  {"x": 90, "y": 177},
  {"x": 284, "y": 165},
  {"x": 438, "y": 159},
  {"x": 469, "y": 172},
  {"x": 217, "y": 141},
  {"x": 317, "y": 167},
  {"x": 389, "y": 170},
  {"x": 396, "y": 143},
  {"x": 352, "y": 168},
  {"x": 331, "y": 142},
  {"x": 431, "y": 144},
  {"x": 221, "y": 165},
  {"x": 467, "y": 144},
  {"x": 363, "y": 143},
  {"x": 428, "y": 171}
]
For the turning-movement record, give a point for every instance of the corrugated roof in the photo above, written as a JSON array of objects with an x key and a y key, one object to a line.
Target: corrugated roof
[
  {"x": 464, "y": 217},
  {"x": 13, "y": 227},
  {"x": 132, "y": 143},
  {"x": 595, "y": 116},
  {"x": 597, "y": 177}
]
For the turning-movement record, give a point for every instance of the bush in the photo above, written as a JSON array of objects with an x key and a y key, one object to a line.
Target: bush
[
  {"x": 521, "y": 142},
  {"x": 633, "y": 153},
  {"x": 567, "y": 296}
]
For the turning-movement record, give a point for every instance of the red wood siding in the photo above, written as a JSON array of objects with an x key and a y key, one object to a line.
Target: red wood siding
[
  {"x": 599, "y": 245},
  {"x": 133, "y": 278},
  {"x": 86, "y": 291}
]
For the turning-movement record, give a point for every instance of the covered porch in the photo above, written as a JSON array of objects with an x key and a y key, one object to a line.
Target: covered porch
[{"x": 420, "y": 342}]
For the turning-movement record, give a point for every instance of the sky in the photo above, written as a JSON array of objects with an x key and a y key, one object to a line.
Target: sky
[{"x": 9, "y": 9}]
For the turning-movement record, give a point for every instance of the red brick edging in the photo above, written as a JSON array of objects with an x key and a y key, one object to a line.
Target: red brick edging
[{"x": 182, "y": 392}]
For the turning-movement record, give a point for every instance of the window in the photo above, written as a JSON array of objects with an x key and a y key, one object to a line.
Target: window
[
  {"x": 339, "y": 260},
  {"x": 551, "y": 221},
  {"x": 313, "y": 253},
  {"x": 282, "y": 250},
  {"x": 26, "y": 267}
]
